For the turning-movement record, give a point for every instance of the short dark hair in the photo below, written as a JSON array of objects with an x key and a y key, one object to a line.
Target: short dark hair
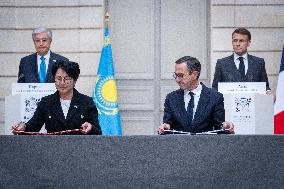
[
  {"x": 242, "y": 31},
  {"x": 71, "y": 68},
  {"x": 192, "y": 63}
]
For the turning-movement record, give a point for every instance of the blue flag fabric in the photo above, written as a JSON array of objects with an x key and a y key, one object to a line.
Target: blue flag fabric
[{"x": 105, "y": 92}]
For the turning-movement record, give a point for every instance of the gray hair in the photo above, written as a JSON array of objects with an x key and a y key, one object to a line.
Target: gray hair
[{"x": 42, "y": 30}]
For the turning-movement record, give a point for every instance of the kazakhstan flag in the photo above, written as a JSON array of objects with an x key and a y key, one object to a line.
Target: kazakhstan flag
[{"x": 105, "y": 92}]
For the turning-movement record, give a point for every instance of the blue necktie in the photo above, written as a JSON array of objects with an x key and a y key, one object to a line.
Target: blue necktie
[
  {"x": 42, "y": 70},
  {"x": 190, "y": 107},
  {"x": 242, "y": 67}
]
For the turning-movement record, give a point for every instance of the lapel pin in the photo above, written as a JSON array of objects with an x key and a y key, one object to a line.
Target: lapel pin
[
  {"x": 49, "y": 117},
  {"x": 75, "y": 106},
  {"x": 82, "y": 116},
  {"x": 54, "y": 60}
]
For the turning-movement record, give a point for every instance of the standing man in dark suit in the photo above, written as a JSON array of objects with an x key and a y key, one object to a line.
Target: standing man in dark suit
[
  {"x": 241, "y": 66},
  {"x": 36, "y": 68},
  {"x": 194, "y": 107}
]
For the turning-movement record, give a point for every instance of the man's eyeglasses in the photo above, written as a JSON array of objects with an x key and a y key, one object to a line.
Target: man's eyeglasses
[
  {"x": 66, "y": 80},
  {"x": 179, "y": 75}
]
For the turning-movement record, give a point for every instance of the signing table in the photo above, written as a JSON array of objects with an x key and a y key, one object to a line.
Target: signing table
[{"x": 173, "y": 161}]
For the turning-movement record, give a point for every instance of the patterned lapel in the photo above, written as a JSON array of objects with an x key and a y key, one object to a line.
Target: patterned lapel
[
  {"x": 236, "y": 76},
  {"x": 251, "y": 69}
]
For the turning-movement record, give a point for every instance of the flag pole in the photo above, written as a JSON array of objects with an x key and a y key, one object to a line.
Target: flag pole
[
  {"x": 107, "y": 15},
  {"x": 107, "y": 18},
  {"x": 105, "y": 91}
]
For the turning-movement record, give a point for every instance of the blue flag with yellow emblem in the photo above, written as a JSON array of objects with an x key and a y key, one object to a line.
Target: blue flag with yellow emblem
[{"x": 105, "y": 92}]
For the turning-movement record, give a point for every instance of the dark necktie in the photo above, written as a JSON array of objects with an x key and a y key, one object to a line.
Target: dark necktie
[
  {"x": 42, "y": 70},
  {"x": 242, "y": 66},
  {"x": 190, "y": 107}
]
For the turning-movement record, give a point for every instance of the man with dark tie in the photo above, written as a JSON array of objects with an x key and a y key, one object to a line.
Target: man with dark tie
[
  {"x": 194, "y": 107},
  {"x": 241, "y": 66},
  {"x": 36, "y": 68}
]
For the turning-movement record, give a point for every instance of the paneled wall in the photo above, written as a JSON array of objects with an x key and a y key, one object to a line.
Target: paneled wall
[
  {"x": 147, "y": 36},
  {"x": 263, "y": 18}
]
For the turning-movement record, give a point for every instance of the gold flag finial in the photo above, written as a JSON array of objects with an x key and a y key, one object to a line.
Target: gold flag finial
[{"x": 107, "y": 17}]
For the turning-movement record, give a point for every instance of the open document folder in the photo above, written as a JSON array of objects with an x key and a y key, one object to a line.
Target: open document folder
[{"x": 220, "y": 131}]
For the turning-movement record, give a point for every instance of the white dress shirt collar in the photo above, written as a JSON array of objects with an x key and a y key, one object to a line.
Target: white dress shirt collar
[
  {"x": 187, "y": 97},
  {"x": 237, "y": 61},
  {"x": 196, "y": 91},
  {"x": 236, "y": 56},
  {"x": 47, "y": 57}
]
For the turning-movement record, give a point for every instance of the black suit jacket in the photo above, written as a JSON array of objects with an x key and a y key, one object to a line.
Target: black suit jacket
[
  {"x": 49, "y": 112},
  {"x": 28, "y": 69},
  {"x": 226, "y": 71},
  {"x": 209, "y": 115}
]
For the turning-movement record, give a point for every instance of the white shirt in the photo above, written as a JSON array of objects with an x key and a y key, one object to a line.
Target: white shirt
[
  {"x": 237, "y": 61},
  {"x": 197, "y": 93},
  {"x": 47, "y": 56},
  {"x": 65, "y": 105}
]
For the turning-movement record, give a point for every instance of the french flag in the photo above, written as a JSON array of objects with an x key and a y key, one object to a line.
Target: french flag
[{"x": 279, "y": 103}]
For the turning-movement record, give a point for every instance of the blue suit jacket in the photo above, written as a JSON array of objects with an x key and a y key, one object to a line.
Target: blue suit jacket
[
  {"x": 49, "y": 112},
  {"x": 209, "y": 115},
  {"x": 226, "y": 71},
  {"x": 28, "y": 69}
]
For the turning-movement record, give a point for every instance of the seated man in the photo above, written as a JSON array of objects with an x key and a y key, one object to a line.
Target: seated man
[{"x": 193, "y": 108}]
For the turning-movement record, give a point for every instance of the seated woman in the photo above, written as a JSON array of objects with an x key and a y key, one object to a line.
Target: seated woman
[{"x": 66, "y": 109}]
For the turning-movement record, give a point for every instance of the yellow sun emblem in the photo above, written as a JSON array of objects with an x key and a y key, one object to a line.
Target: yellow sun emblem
[
  {"x": 109, "y": 91},
  {"x": 106, "y": 95}
]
